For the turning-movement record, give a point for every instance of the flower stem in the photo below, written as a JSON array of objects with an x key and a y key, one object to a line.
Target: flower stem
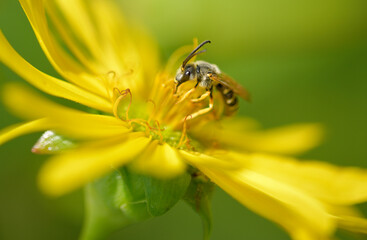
[{"x": 100, "y": 219}]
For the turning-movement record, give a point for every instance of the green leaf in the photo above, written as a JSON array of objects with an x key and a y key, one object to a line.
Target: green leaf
[
  {"x": 198, "y": 196},
  {"x": 162, "y": 195},
  {"x": 50, "y": 142},
  {"x": 113, "y": 202},
  {"x": 123, "y": 197}
]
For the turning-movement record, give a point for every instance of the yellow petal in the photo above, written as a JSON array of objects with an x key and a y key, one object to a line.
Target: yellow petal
[
  {"x": 120, "y": 52},
  {"x": 57, "y": 55},
  {"x": 238, "y": 124},
  {"x": 301, "y": 215},
  {"x": 329, "y": 183},
  {"x": 114, "y": 46},
  {"x": 161, "y": 161},
  {"x": 80, "y": 23},
  {"x": 90, "y": 126},
  {"x": 148, "y": 52},
  {"x": 349, "y": 218},
  {"x": 199, "y": 159},
  {"x": 73, "y": 46},
  {"x": 17, "y": 130},
  {"x": 109, "y": 44},
  {"x": 291, "y": 139},
  {"x": 47, "y": 83},
  {"x": 27, "y": 103},
  {"x": 73, "y": 123},
  {"x": 353, "y": 224},
  {"x": 71, "y": 170}
]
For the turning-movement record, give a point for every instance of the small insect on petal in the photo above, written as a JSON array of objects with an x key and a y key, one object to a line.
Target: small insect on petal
[{"x": 50, "y": 143}]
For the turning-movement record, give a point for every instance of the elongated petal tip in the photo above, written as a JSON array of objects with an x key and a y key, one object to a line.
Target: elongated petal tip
[
  {"x": 161, "y": 161},
  {"x": 47, "y": 83},
  {"x": 298, "y": 213},
  {"x": 293, "y": 139},
  {"x": 17, "y": 130},
  {"x": 73, "y": 169}
]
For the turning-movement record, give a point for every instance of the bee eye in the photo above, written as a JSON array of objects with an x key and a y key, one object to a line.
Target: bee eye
[{"x": 187, "y": 73}]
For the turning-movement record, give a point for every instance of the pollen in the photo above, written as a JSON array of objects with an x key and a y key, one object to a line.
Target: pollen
[{"x": 162, "y": 118}]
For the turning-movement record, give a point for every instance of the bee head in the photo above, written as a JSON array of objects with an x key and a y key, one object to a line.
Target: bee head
[
  {"x": 185, "y": 74},
  {"x": 187, "y": 71}
]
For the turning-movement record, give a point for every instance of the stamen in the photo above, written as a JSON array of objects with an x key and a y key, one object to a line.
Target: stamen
[
  {"x": 142, "y": 123},
  {"x": 123, "y": 94},
  {"x": 154, "y": 109},
  {"x": 116, "y": 104},
  {"x": 159, "y": 131},
  {"x": 111, "y": 74},
  {"x": 184, "y": 138},
  {"x": 128, "y": 106},
  {"x": 110, "y": 81},
  {"x": 165, "y": 104}
]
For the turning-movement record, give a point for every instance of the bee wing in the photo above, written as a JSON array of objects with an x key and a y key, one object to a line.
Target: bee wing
[{"x": 231, "y": 84}]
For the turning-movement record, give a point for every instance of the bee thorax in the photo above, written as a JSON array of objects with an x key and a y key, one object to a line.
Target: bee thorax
[{"x": 205, "y": 83}]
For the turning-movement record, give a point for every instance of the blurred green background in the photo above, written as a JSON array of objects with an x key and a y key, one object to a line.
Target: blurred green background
[{"x": 302, "y": 61}]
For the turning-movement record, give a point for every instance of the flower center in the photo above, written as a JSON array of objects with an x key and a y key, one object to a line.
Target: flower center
[{"x": 165, "y": 115}]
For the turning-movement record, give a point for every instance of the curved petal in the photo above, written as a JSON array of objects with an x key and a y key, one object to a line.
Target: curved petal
[
  {"x": 161, "y": 161},
  {"x": 329, "y": 183},
  {"x": 113, "y": 45},
  {"x": 301, "y": 215},
  {"x": 293, "y": 139},
  {"x": 27, "y": 103},
  {"x": 195, "y": 158},
  {"x": 70, "y": 69},
  {"x": 353, "y": 224},
  {"x": 17, "y": 130},
  {"x": 47, "y": 83},
  {"x": 349, "y": 218},
  {"x": 80, "y": 23},
  {"x": 72, "y": 169},
  {"x": 120, "y": 53},
  {"x": 82, "y": 55},
  {"x": 89, "y": 126},
  {"x": 73, "y": 123}
]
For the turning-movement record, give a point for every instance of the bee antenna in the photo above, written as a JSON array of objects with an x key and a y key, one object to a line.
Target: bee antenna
[
  {"x": 194, "y": 53},
  {"x": 197, "y": 53}
]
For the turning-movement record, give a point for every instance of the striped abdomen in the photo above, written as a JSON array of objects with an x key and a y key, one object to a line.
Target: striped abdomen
[{"x": 230, "y": 99}]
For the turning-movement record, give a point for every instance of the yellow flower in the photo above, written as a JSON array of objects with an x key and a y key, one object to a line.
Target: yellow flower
[{"x": 113, "y": 69}]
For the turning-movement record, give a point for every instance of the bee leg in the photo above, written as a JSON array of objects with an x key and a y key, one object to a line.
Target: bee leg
[
  {"x": 202, "y": 97},
  {"x": 186, "y": 95},
  {"x": 205, "y": 110}
]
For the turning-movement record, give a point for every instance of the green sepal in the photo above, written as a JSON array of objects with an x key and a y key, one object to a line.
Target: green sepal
[
  {"x": 162, "y": 195},
  {"x": 50, "y": 142},
  {"x": 123, "y": 198},
  {"x": 113, "y": 202},
  {"x": 198, "y": 196}
]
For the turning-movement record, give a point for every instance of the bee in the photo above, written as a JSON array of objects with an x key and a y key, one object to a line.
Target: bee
[{"x": 208, "y": 76}]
